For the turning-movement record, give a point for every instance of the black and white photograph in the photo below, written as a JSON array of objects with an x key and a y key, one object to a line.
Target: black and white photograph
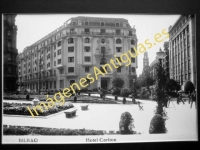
[{"x": 98, "y": 78}]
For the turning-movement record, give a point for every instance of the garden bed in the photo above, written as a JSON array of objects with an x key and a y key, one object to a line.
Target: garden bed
[{"x": 21, "y": 109}]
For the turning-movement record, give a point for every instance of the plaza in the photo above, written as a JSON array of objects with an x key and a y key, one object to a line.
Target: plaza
[{"x": 181, "y": 125}]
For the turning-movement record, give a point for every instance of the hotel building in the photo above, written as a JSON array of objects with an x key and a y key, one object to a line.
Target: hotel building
[
  {"x": 182, "y": 50},
  {"x": 70, "y": 52}
]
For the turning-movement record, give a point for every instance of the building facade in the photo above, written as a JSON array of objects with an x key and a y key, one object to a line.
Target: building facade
[
  {"x": 165, "y": 62},
  {"x": 182, "y": 50},
  {"x": 70, "y": 52},
  {"x": 10, "y": 53}
]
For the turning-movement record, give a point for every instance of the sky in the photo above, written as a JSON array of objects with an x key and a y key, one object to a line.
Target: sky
[{"x": 33, "y": 27}]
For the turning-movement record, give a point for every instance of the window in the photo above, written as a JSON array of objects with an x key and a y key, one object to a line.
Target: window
[
  {"x": 74, "y": 23},
  {"x": 118, "y": 32},
  {"x": 117, "y": 24},
  {"x": 54, "y": 54},
  {"x": 87, "y": 49},
  {"x": 54, "y": 84},
  {"x": 71, "y": 82},
  {"x": 103, "y": 30},
  {"x": 87, "y": 40},
  {"x": 59, "y": 43},
  {"x": 70, "y": 59},
  {"x": 54, "y": 72},
  {"x": 86, "y": 23},
  {"x": 118, "y": 41},
  {"x": 87, "y": 59},
  {"x": 119, "y": 69},
  {"x": 59, "y": 61},
  {"x": 54, "y": 46},
  {"x": 132, "y": 42},
  {"x": 130, "y": 33},
  {"x": 133, "y": 69},
  {"x": 61, "y": 71},
  {"x": 72, "y": 30},
  {"x": 103, "y": 70},
  {"x": 54, "y": 63},
  {"x": 118, "y": 49},
  {"x": 61, "y": 84},
  {"x": 132, "y": 50},
  {"x": 59, "y": 52},
  {"x": 70, "y": 40},
  {"x": 70, "y": 69},
  {"x": 48, "y": 65},
  {"x": 132, "y": 60},
  {"x": 50, "y": 84},
  {"x": 70, "y": 49},
  {"x": 102, "y": 41},
  {"x": 102, "y": 23},
  {"x": 103, "y": 50},
  {"x": 119, "y": 59},
  {"x": 87, "y": 30},
  {"x": 87, "y": 69}
]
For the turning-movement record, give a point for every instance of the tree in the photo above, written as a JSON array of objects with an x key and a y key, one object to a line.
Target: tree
[
  {"x": 145, "y": 79},
  {"x": 189, "y": 86},
  {"x": 118, "y": 82},
  {"x": 171, "y": 85}
]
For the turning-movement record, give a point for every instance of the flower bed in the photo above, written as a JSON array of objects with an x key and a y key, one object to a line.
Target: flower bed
[
  {"x": 21, "y": 109},
  {"x": 20, "y": 130}
]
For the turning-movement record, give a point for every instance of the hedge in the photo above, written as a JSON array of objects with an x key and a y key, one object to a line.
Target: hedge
[{"x": 20, "y": 130}]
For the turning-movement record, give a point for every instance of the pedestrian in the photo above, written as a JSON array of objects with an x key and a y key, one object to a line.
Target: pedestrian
[
  {"x": 169, "y": 99},
  {"x": 27, "y": 96},
  {"x": 166, "y": 98},
  {"x": 193, "y": 98},
  {"x": 189, "y": 96},
  {"x": 180, "y": 98}
]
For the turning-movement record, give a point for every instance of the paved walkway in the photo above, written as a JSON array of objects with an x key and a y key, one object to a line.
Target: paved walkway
[{"x": 182, "y": 121}]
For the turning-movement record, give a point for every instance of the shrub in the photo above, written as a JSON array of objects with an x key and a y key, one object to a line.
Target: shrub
[
  {"x": 189, "y": 86},
  {"x": 144, "y": 93},
  {"x": 116, "y": 91},
  {"x": 125, "y": 124},
  {"x": 125, "y": 92},
  {"x": 157, "y": 125}
]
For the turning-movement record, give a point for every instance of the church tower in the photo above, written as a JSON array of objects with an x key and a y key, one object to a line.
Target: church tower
[{"x": 145, "y": 60}]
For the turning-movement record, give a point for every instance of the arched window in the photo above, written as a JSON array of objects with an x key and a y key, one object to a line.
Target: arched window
[
  {"x": 118, "y": 41},
  {"x": 87, "y": 40},
  {"x": 70, "y": 40},
  {"x": 132, "y": 42},
  {"x": 59, "y": 43}
]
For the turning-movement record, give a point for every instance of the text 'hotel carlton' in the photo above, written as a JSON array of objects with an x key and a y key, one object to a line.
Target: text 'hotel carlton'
[{"x": 70, "y": 52}]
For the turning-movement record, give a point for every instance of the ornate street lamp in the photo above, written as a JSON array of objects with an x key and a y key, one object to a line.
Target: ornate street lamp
[
  {"x": 160, "y": 83},
  {"x": 40, "y": 64}
]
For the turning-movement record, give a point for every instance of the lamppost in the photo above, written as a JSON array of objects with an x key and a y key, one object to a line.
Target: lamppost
[
  {"x": 40, "y": 64},
  {"x": 133, "y": 95},
  {"x": 160, "y": 92},
  {"x": 36, "y": 100}
]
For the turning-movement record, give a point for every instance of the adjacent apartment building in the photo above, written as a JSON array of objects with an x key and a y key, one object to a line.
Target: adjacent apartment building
[
  {"x": 70, "y": 52},
  {"x": 10, "y": 53},
  {"x": 182, "y": 50}
]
